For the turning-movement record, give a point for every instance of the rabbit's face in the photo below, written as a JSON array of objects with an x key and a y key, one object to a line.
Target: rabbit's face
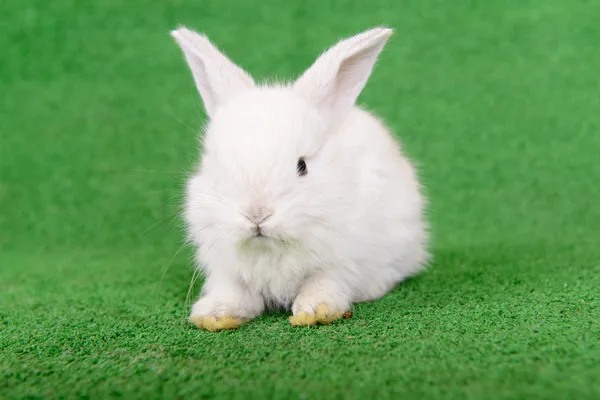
[
  {"x": 265, "y": 179},
  {"x": 273, "y": 172}
]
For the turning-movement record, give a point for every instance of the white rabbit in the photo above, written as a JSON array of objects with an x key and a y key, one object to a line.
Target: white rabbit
[{"x": 302, "y": 200}]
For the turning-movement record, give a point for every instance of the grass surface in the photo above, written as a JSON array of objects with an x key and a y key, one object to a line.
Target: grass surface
[{"x": 499, "y": 101}]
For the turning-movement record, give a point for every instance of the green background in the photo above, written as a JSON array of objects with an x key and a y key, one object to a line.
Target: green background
[{"x": 498, "y": 101}]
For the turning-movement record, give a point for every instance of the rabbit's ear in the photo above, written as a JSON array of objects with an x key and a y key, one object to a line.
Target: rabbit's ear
[
  {"x": 337, "y": 77},
  {"x": 217, "y": 78}
]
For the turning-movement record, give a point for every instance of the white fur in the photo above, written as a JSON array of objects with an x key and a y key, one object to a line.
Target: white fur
[{"x": 348, "y": 231}]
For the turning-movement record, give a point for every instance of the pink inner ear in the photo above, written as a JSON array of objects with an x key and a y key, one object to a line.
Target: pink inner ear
[
  {"x": 217, "y": 77},
  {"x": 336, "y": 79}
]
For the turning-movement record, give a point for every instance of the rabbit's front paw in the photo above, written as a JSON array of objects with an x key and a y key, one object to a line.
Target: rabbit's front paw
[
  {"x": 214, "y": 324},
  {"x": 320, "y": 301},
  {"x": 323, "y": 314},
  {"x": 214, "y": 315}
]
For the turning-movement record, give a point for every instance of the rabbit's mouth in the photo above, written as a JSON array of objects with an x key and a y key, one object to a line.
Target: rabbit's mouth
[
  {"x": 259, "y": 244},
  {"x": 260, "y": 235},
  {"x": 265, "y": 240},
  {"x": 259, "y": 232}
]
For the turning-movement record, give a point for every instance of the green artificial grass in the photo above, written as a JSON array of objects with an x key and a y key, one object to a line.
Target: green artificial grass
[{"x": 498, "y": 101}]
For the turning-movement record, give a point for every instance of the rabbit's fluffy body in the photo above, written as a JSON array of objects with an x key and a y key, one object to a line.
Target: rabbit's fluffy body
[{"x": 268, "y": 233}]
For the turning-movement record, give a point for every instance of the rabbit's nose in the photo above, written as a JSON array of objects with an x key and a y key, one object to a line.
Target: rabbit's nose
[{"x": 258, "y": 215}]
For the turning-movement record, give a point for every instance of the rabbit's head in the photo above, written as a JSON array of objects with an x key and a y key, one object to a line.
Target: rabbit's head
[{"x": 273, "y": 172}]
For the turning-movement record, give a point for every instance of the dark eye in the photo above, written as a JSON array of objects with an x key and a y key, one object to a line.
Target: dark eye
[{"x": 301, "y": 168}]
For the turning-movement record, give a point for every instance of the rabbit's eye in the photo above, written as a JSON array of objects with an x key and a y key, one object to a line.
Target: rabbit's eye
[{"x": 301, "y": 168}]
